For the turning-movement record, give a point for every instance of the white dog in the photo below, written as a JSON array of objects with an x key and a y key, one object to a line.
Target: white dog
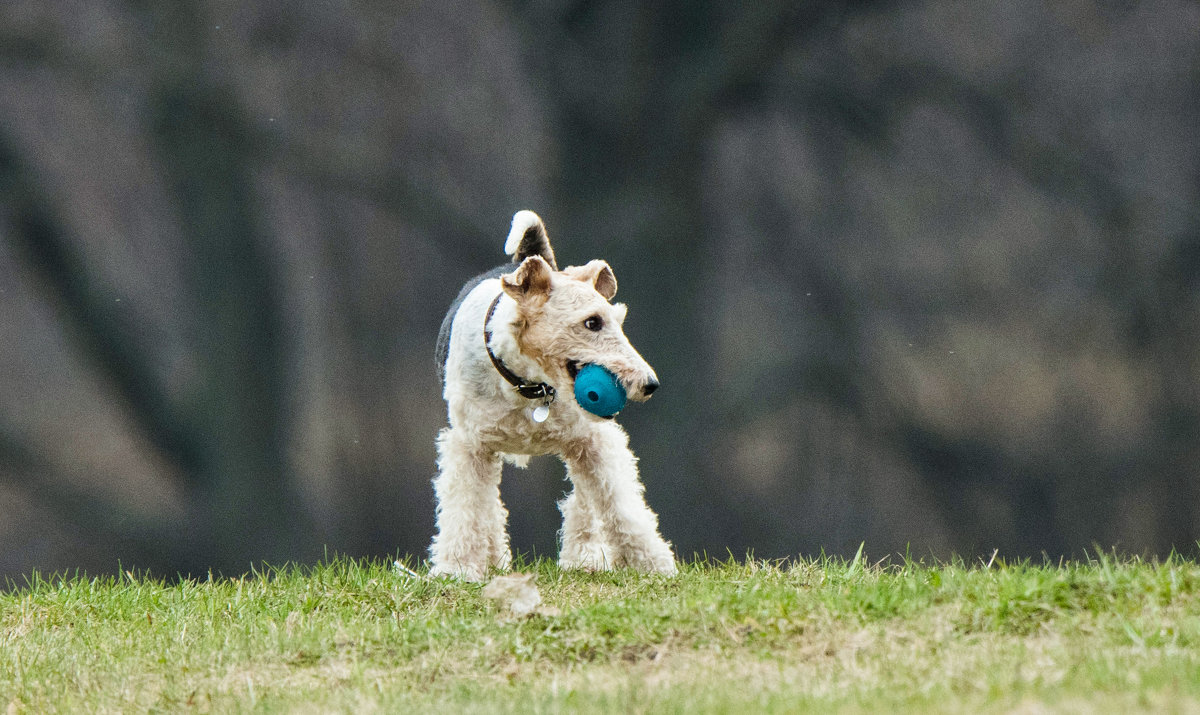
[{"x": 508, "y": 353}]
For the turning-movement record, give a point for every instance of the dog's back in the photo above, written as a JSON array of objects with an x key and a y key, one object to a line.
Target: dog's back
[
  {"x": 443, "y": 339},
  {"x": 526, "y": 238}
]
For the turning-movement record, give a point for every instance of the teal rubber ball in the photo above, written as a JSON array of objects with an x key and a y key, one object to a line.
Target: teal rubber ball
[{"x": 599, "y": 391}]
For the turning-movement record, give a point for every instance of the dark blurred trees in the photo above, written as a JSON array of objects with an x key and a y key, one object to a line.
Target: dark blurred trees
[
  {"x": 976, "y": 214},
  {"x": 924, "y": 275}
]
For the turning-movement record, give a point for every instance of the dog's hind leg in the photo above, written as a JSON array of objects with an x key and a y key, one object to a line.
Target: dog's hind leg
[
  {"x": 605, "y": 475},
  {"x": 582, "y": 545},
  {"x": 471, "y": 519}
]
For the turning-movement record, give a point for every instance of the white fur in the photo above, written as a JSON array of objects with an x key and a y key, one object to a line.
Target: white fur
[
  {"x": 606, "y": 522},
  {"x": 522, "y": 222}
]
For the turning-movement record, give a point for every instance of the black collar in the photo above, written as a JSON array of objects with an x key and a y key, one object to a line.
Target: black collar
[{"x": 525, "y": 388}]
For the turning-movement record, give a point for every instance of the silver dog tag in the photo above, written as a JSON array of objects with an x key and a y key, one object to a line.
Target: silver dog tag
[{"x": 540, "y": 413}]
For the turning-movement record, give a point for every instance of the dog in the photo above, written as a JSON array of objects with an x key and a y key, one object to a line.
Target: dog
[{"x": 507, "y": 355}]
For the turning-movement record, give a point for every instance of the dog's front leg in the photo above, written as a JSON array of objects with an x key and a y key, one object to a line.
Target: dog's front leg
[
  {"x": 471, "y": 519},
  {"x": 605, "y": 475}
]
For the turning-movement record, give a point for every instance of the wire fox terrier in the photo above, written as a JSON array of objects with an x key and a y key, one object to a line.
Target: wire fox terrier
[{"x": 511, "y": 337}]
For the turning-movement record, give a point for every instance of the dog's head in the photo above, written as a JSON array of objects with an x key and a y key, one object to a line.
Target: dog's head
[{"x": 565, "y": 320}]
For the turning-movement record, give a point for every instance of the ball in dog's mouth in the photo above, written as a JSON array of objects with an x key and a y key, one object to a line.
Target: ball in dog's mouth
[{"x": 599, "y": 391}]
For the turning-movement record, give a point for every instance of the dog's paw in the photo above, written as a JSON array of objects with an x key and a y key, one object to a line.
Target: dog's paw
[
  {"x": 463, "y": 572},
  {"x": 586, "y": 557},
  {"x": 667, "y": 568},
  {"x": 659, "y": 560}
]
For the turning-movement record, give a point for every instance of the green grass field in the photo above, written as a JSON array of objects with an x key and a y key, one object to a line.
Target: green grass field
[{"x": 1109, "y": 635}]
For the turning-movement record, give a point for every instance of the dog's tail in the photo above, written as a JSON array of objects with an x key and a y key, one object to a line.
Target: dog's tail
[{"x": 528, "y": 238}]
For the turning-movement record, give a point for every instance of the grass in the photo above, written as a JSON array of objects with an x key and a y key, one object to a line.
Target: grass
[{"x": 1106, "y": 634}]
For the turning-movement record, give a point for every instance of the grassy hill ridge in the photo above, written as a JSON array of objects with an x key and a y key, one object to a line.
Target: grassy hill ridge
[{"x": 1105, "y": 634}]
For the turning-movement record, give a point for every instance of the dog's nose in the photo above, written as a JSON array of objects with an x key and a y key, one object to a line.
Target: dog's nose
[{"x": 650, "y": 387}]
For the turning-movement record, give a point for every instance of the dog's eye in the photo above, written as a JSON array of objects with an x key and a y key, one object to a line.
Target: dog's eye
[{"x": 594, "y": 323}]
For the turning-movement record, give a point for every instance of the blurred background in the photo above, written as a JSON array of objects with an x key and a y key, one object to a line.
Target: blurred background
[{"x": 924, "y": 275}]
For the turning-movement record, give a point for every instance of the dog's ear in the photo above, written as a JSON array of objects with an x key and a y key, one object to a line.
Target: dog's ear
[
  {"x": 530, "y": 280},
  {"x": 598, "y": 274}
]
